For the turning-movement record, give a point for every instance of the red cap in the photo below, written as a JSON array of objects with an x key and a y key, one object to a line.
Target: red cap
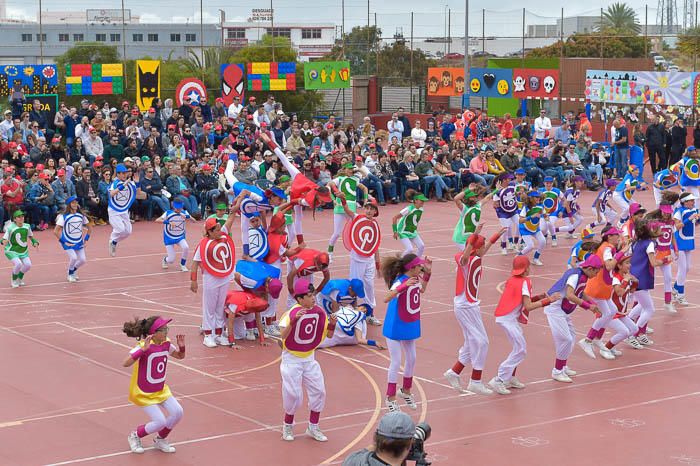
[
  {"x": 29, "y": 165},
  {"x": 97, "y": 164},
  {"x": 12, "y": 145},
  {"x": 218, "y": 128},
  {"x": 44, "y": 176},
  {"x": 252, "y": 98},
  {"x": 207, "y": 125},
  {"x": 126, "y": 102},
  {"x": 151, "y": 110},
  {"x": 99, "y": 157},
  {"x": 520, "y": 264},
  {"x": 40, "y": 166},
  {"x": 8, "y": 169},
  {"x": 391, "y": 153},
  {"x": 210, "y": 223},
  {"x": 372, "y": 146},
  {"x": 263, "y": 125},
  {"x": 134, "y": 112},
  {"x": 243, "y": 158},
  {"x": 358, "y": 159},
  {"x": 206, "y": 166},
  {"x": 250, "y": 117},
  {"x": 329, "y": 126},
  {"x": 171, "y": 126},
  {"x": 56, "y": 139},
  {"x": 219, "y": 99},
  {"x": 317, "y": 147},
  {"x": 60, "y": 172}
]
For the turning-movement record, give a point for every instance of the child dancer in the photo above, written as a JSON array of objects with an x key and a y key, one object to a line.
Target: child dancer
[
  {"x": 122, "y": 194},
  {"x": 405, "y": 224},
  {"x": 685, "y": 216},
  {"x": 73, "y": 231},
  {"x": 665, "y": 247},
  {"x": 625, "y": 190},
  {"x": 603, "y": 212},
  {"x": 599, "y": 288},
  {"x": 530, "y": 217},
  {"x": 16, "y": 241},
  {"x": 175, "y": 234},
  {"x": 664, "y": 180},
  {"x": 571, "y": 210},
  {"x": 148, "y": 388},
  {"x": 340, "y": 292},
  {"x": 407, "y": 277},
  {"x": 468, "y": 313},
  {"x": 303, "y": 329},
  {"x": 506, "y": 204},
  {"x": 636, "y": 212},
  {"x": 252, "y": 201},
  {"x": 261, "y": 280},
  {"x": 690, "y": 173},
  {"x": 469, "y": 215},
  {"x": 552, "y": 200},
  {"x": 304, "y": 264},
  {"x": 513, "y": 309},
  {"x": 347, "y": 184},
  {"x": 352, "y": 326},
  {"x": 625, "y": 329},
  {"x": 583, "y": 248},
  {"x": 571, "y": 284},
  {"x": 220, "y": 214},
  {"x": 247, "y": 306}
]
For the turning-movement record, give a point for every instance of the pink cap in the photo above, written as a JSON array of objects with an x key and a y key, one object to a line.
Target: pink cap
[
  {"x": 158, "y": 324},
  {"x": 666, "y": 208},
  {"x": 612, "y": 231},
  {"x": 275, "y": 288},
  {"x": 302, "y": 287},
  {"x": 634, "y": 208},
  {"x": 592, "y": 261}
]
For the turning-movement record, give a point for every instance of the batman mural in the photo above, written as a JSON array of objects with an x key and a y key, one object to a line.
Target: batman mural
[
  {"x": 231, "y": 83},
  {"x": 147, "y": 82}
]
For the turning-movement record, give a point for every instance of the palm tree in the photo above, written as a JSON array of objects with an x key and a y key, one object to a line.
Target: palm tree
[{"x": 620, "y": 17}]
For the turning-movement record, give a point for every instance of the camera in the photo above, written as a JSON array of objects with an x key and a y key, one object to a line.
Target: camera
[{"x": 417, "y": 452}]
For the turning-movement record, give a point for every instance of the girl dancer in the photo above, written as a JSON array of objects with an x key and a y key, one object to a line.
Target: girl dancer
[
  {"x": 468, "y": 313},
  {"x": 407, "y": 277},
  {"x": 16, "y": 241},
  {"x": 405, "y": 223},
  {"x": 625, "y": 190},
  {"x": 690, "y": 173},
  {"x": 552, "y": 200},
  {"x": 122, "y": 194},
  {"x": 347, "y": 184},
  {"x": 685, "y": 217},
  {"x": 603, "y": 212},
  {"x": 148, "y": 388},
  {"x": 664, "y": 180},
  {"x": 73, "y": 231},
  {"x": 252, "y": 201},
  {"x": 530, "y": 217},
  {"x": 572, "y": 284},
  {"x": 623, "y": 283},
  {"x": 571, "y": 208},
  {"x": 665, "y": 247},
  {"x": 513, "y": 309},
  {"x": 248, "y": 306},
  {"x": 352, "y": 323},
  {"x": 175, "y": 233},
  {"x": 599, "y": 288},
  {"x": 303, "y": 329},
  {"x": 583, "y": 248},
  {"x": 506, "y": 205},
  {"x": 470, "y": 212},
  {"x": 636, "y": 212}
]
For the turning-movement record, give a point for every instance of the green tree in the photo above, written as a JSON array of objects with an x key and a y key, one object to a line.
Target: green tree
[
  {"x": 359, "y": 47},
  {"x": 395, "y": 65},
  {"x": 620, "y": 17},
  {"x": 590, "y": 45},
  {"x": 689, "y": 42}
]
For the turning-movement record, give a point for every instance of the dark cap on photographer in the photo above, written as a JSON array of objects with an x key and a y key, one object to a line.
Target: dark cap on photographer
[{"x": 396, "y": 425}]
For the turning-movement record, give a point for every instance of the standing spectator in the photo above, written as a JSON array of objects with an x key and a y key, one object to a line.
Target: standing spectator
[
  {"x": 419, "y": 135},
  {"x": 543, "y": 126},
  {"x": 656, "y": 140},
  {"x": 622, "y": 148},
  {"x": 639, "y": 138},
  {"x": 679, "y": 133},
  {"x": 507, "y": 127},
  {"x": 395, "y": 127},
  {"x": 6, "y": 126},
  {"x": 87, "y": 192},
  {"x": 404, "y": 121},
  {"x": 563, "y": 133}
]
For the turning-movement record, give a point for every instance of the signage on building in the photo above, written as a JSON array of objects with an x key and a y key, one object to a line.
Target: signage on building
[
  {"x": 107, "y": 16},
  {"x": 262, "y": 14}
]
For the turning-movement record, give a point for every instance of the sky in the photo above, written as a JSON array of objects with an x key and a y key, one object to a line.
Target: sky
[{"x": 503, "y": 19}]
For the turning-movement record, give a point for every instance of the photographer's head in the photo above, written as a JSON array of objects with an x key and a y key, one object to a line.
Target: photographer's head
[{"x": 394, "y": 436}]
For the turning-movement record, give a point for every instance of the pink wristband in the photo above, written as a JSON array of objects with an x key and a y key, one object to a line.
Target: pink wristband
[
  {"x": 586, "y": 305},
  {"x": 426, "y": 277},
  {"x": 137, "y": 354},
  {"x": 401, "y": 288}
]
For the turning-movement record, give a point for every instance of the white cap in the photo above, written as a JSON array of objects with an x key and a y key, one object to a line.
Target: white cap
[{"x": 687, "y": 196}]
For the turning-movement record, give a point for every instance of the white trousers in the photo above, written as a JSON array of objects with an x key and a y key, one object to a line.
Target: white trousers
[
  {"x": 396, "y": 348},
  {"x": 609, "y": 216},
  {"x": 549, "y": 226},
  {"x": 536, "y": 242},
  {"x": 623, "y": 327},
  {"x": 574, "y": 222},
  {"x": 684, "y": 263},
  {"x": 607, "y": 309},
  {"x": 21, "y": 265},
  {"x": 644, "y": 309},
  {"x": 170, "y": 248},
  {"x": 413, "y": 245},
  {"x": 213, "y": 302},
  {"x": 622, "y": 204},
  {"x": 158, "y": 419},
  {"x": 365, "y": 271},
  {"x": 476, "y": 341},
  {"x": 76, "y": 258},
  {"x": 512, "y": 227},
  {"x": 339, "y": 221},
  {"x": 121, "y": 225},
  {"x": 563, "y": 331},
  {"x": 296, "y": 376},
  {"x": 667, "y": 271},
  {"x": 515, "y": 335}
]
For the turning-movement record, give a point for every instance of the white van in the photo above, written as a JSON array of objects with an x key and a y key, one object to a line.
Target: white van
[{"x": 659, "y": 60}]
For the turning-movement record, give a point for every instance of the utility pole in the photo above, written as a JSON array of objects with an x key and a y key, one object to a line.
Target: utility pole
[
  {"x": 272, "y": 23},
  {"x": 124, "y": 47},
  {"x": 41, "y": 36}
]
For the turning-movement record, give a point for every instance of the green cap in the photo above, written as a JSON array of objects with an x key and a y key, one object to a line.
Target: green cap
[
  {"x": 221, "y": 206},
  {"x": 469, "y": 193},
  {"x": 145, "y": 158},
  {"x": 419, "y": 197},
  {"x": 166, "y": 159},
  {"x": 349, "y": 165},
  {"x": 18, "y": 213},
  {"x": 283, "y": 179}
]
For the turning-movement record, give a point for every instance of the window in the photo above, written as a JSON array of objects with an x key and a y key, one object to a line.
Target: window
[
  {"x": 280, "y": 32},
  {"x": 311, "y": 33},
  {"x": 137, "y": 38},
  {"x": 78, "y": 37},
  {"x": 101, "y": 37},
  {"x": 174, "y": 37},
  {"x": 63, "y": 37},
  {"x": 153, "y": 38},
  {"x": 115, "y": 37},
  {"x": 41, "y": 37},
  {"x": 235, "y": 33},
  {"x": 26, "y": 37},
  {"x": 190, "y": 37}
]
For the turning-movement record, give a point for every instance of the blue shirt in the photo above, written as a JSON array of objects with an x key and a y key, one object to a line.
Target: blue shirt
[
  {"x": 685, "y": 237},
  {"x": 402, "y": 321},
  {"x": 174, "y": 229},
  {"x": 122, "y": 201},
  {"x": 622, "y": 133}
]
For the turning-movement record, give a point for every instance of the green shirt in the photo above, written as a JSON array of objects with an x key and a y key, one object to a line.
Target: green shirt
[
  {"x": 348, "y": 186},
  {"x": 468, "y": 220},
  {"x": 220, "y": 220},
  {"x": 288, "y": 217},
  {"x": 408, "y": 223},
  {"x": 17, "y": 238}
]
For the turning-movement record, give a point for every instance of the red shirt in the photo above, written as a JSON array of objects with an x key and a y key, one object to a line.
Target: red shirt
[{"x": 13, "y": 185}]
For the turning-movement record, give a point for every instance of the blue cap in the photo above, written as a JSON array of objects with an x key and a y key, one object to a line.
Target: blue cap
[
  {"x": 121, "y": 168},
  {"x": 276, "y": 192},
  {"x": 691, "y": 148},
  {"x": 178, "y": 205},
  {"x": 534, "y": 194},
  {"x": 71, "y": 199},
  {"x": 519, "y": 171},
  {"x": 358, "y": 287},
  {"x": 548, "y": 179}
]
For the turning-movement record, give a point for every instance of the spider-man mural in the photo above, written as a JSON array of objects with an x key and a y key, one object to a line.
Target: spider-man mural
[{"x": 231, "y": 82}]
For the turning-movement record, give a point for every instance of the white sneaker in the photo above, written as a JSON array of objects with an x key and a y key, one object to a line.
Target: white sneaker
[
  {"x": 511, "y": 246},
  {"x": 392, "y": 405},
  {"x": 476, "y": 386},
  {"x": 537, "y": 262},
  {"x": 371, "y": 320},
  {"x": 163, "y": 445},
  {"x": 15, "y": 283},
  {"x": 504, "y": 252},
  {"x": 454, "y": 380},
  {"x": 680, "y": 299},
  {"x": 21, "y": 281},
  {"x": 587, "y": 347},
  {"x": 250, "y": 335},
  {"x": 674, "y": 293},
  {"x": 183, "y": 268},
  {"x": 569, "y": 372},
  {"x": 210, "y": 341},
  {"x": 605, "y": 353},
  {"x": 221, "y": 340},
  {"x": 644, "y": 340},
  {"x": 616, "y": 352},
  {"x": 669, "y": 308},
  {"x": 599, "y": 344},
  {"x": 71, "y": 278},
  {"x": 316, "y": 433},
  {"x": 271, "y": 331},
  {"x": 408, "y": 399},
  {"x": 164, "y": 263},
  {"x": 554, "y": 241},
  {"x": 560, "y": 376},
  {"x": 649, "y": 330},
  {"x": 632, "y": 341},
  {"x": 287, "y": 432},
  {"x": 515, "y": 383},
  {"x": 498, "y": 386},
  {"x": 112, "y": 248},
  {"x": 135, "y": 443}
]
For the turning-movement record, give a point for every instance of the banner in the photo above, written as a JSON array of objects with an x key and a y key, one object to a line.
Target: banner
[
  {"x": 272, "y": 76},
  {"x": 664, "y": 88},
  {"x": 327, "y": 75},
  {"x": 618, "y": 87},
  {"x": 535, "y": 83},
  {"x": 147, "y": 82},
  {"x": 95, "y": 79},
  {"x": 490, "y": 82},
  {"x": 445, "y": 81},
  {"x": 193, "y": 88},
  {"x": 232, "y": 82},
  {"x": 32, "y": 79},
  {"x": 48, "y": 103}
]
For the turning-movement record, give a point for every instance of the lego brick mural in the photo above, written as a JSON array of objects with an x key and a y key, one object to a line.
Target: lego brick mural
[
  {"x": 271, "y": 76},
  {"x": 95, "y": 79}
]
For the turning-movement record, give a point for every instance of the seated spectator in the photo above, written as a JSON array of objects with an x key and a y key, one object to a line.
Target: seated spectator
[
  {"x": 88, "y": 194},
  {"x": 206, "y": 187},
  {"x": 385, "y": 172},
  {"x": 181, "y": 189},
  {"x": 534, "y": 175},
  {"x": 495, "y": 167},
  {"x": 428, "y": 178},
  {"x": 510, "y": 160},
  {"x": 407, "y": 176},
  {"x": 93, "y": 143},
  {"x": 443, "y": 168},
  {"x": 579, "y": 169},
  {"x": 63, "y": 188},
  {"x": 245, "y": 173},
  {"x": 479, "y": 168},
  {"x": 41, "y": 202}
]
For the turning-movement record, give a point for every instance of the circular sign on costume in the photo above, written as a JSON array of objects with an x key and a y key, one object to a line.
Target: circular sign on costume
[
  {"x": 72, "y": 228},
  {"x": 175, "y": 228},
  {"x": 192, "y": 88},
  {"x": 507, "y": 199},
  {"x": 473, "y": 279},
  {"x": 218, "y": 256},
  {"x": 550, "y": 202},
  {"x": 362, "y": 235},
  {"x": 124, "y": 198},
  {"x": 692, "y": 169},
  {"x": 257, "y": 243},
  {"x": 307, "y": 333},
  {"x": 409, "y": 304}
]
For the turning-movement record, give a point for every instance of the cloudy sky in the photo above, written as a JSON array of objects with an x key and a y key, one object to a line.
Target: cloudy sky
[{"x": 502, "y": 19}]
